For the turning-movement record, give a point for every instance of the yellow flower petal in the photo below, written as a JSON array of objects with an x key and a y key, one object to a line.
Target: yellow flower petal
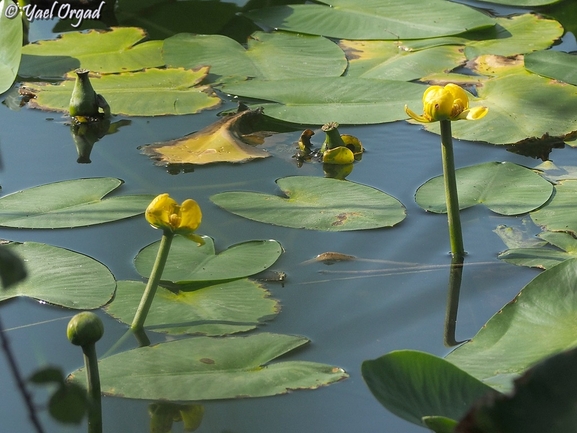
[
  {"x": 415, "y": 116},
  {"x": 165, "y": 213},
  {"x": 476, "y": 113},
  {"x": 190, "y": 214},
  {"x": 159, "y": 210}
]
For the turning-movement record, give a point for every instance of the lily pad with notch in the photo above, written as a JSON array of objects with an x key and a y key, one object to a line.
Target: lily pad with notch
[
  {"x": 316, "y": 203},
  {"x": 559, "y": 214},
  {"x": 504, "y": 187}
]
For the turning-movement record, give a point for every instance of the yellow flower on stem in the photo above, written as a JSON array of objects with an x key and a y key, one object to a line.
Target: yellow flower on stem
[
  {"x": 166, "y": 214},
  {"x": 446, "y": 103}
]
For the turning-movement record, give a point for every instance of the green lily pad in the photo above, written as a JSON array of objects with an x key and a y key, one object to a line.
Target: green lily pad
[
  {"x": 153, "y": 92},
  {"x": 542, "y": 256},
  {"x": 61, "y": 277},
  {"x": 504, "y": 187},
  {"x": 11, "y": 47},
  {"x": 188, "y": 262},
  {"x": 548, "y": 110},
  {"x": 316, "y": 203},
  {"x": 70, "y": 203},
  {"x": 414, "y": 385},
  {"x": 534, "y": 325},
  {"x": 559, "y": 214},
  {"x": 205, "y": 368},
  {"x": 374, "y": 19},
  {"x": 218, "y": 309},
  {"x": 522, "y": 3},
  {"x": 346, "y": 100},
  {"x": 272, "y": 56},
  {"x": 119, "y": 50},
  {"x": 553, "y": 64}
]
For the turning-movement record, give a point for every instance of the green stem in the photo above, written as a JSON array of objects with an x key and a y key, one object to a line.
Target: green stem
[
  {"x": 455, "y": 277},
  {"x": 93, "y": 381},
  {"x": 451, "y": 197},
  {"x": 155, "y": 275}
]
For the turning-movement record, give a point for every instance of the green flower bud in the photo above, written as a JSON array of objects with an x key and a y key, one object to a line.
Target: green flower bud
[{"x": 85, "y": 328}]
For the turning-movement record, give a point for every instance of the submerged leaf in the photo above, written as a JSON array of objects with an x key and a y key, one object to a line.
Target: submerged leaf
[
  {"x": 152, "y": 92},
  {"x": 226, "y": 140},
  {"x": 205, "y": 368}
]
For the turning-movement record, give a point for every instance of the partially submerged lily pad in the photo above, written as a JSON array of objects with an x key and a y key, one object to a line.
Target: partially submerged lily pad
[
  {"x": 61, "y": 277},
  {"x": 188, "y": 262},
  {"x": 226, "y": 140},
  {"x": 504, "y": 187},
  {"x": 559, "y": 214},
  {"x": 316, "y": 203},
  {"x": 541, "y": 256},
  {"x": 152, "y": 92},
  {"x": 217, "y": 309},
  {"x": 70, "y": 203},
  {"x": 205, "y": 368}
]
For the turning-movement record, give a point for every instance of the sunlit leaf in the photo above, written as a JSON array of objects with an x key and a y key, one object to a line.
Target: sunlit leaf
[
  {"x": 205, "y": 368},
  {"x": 226, "y": 140},
  {"x": 153, "y": 92},
  {"x": 536, "y": 324},
  {"x": 553, "y": 64},
  {"x": 188, "y": 262},
  {"x": 61, "y": 277},
  {"x": 119, "y": 50},
  {"x": 522, "y": 3},
  {"x": 345, "y": 100},
  {"x": 548, "y": 110},
  {"x": 414, "y": 385},
  {"x": 10, "y": 49},
  {"x": 217, "y": 309},
  {"x": 559, "y": 214},
  {"x": 272, "y": 56},
  {"x": 70, "y": 203},
  {"x": 374, "y": 19},
  {"x": 504, "y": 187},
  {"x": 316, "y": 203},
  {"x": 384, "y": 60}
]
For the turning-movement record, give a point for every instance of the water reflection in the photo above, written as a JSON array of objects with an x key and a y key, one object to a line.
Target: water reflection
[
  {"x": 455, "y": 278},
  {"x": 85, "y": 135}
]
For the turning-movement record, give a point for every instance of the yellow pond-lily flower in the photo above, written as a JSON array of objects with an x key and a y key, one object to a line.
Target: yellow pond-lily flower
[
  {"x": 166, "y": 214},
  {"x": 446, "y": 103}
]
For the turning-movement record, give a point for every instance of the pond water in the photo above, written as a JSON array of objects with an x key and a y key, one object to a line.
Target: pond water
[{"x": 351, "y": 311}]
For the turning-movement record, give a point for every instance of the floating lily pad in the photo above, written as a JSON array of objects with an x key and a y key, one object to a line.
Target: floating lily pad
[
  {"x": 559, "y": 215},
  {"x": 226, "y": 140},
  {"x": 61, "y": 277},
  {"x": 218, "y": 309},
  {"x": 272, "y": 56},
  {"x": 522, "y": 3},
  {"x": 534, "y": 325},
  {"x": 205, "y": 368},
  {"x": 188, "y": 262},
  {"x": 414, "y": 385},
  {"x": 541, "y": 256},
  {"x": 553, "y": 64},
  {"x": 153, "y": 92},
  {"x": 504, "y": 187},
  {"x": 346, "y": 100},
  {"x": 374, "y": 19},
  {"x": 117, "y": 50},
  {"x": 71, "y": 203},
  {"x": 11, "y": 47},
  {"x": 316, "y": 203}
]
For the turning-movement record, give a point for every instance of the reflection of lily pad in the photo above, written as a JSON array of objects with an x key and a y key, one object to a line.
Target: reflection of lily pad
[
  {"x": 188, "y": 262},
  {"x": 153, "y": 92},
  {"x": 316, "y": 203},
  {"x": 559, "y": 214},
  {"x": 374, "y": 19},
  {"x": 61, "y": 277},
  {"x": 206, "y": 368},
  {"x": 504, "y": 187},
  {"x": 112, "y": 51},
  {"x": 223, "y": 141},
  {"x": 537, "y": 323},
  {"x": 71, "y": 203},
  {"x": 218, "y": 309}
]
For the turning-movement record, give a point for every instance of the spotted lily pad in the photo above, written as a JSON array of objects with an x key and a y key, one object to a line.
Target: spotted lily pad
[
  {"x": 60, "y": 277},
  {"x": 70, "y": 203},
  {"x": 504, "y": 187},
  {"x": 205, "y": 368},
  {"x": 188, "y": 262},
  {"x": 217, "y": 309},
  {"x": 316, "y": 203}
]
